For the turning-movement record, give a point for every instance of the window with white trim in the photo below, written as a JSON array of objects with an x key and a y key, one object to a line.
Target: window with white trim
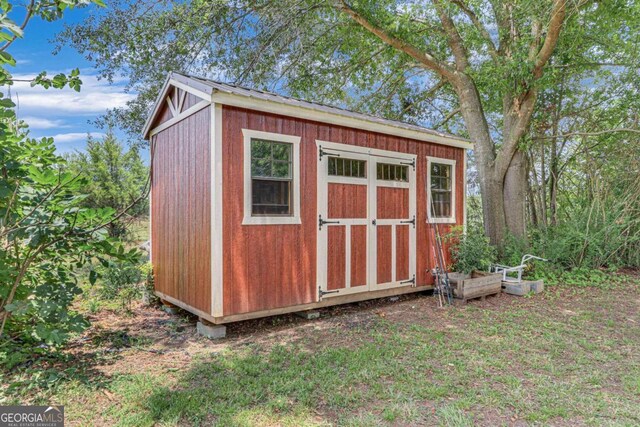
[
  {"x": 392, "y": 172},
  {"x": 272, "y": 178},
  {"x": 351, "y": 168},
  {"x": 441, "y": 197}
]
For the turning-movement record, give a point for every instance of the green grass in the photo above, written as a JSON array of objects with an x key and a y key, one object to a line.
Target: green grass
[{"x": 562, "y": 359}]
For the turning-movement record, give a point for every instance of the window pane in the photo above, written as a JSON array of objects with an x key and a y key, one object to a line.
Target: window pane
[
  {"x": 260, "y": 149},
  {"x": 389, "y": 172},
  {"x": 271, "y": 197},
  {"x": 332, "y": 165},
  {"x": 281, "y": 151},
  {"x": 347, "y": 167},
  {"x": 441, "y": 191},
  {"x": 261, "y": 167},
  {"x": 281, "y": 169}
]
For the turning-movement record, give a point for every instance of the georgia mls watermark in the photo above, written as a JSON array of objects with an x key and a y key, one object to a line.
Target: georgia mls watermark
[{"x": 31, "y": 416}]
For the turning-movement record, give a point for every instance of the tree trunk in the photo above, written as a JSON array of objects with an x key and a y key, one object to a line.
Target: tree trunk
[
  {"x": 492, "y": 188},
  {"x": 543, "y": 186},
  {"x": 531, "y": 197},
  {"x": 491, "y": 184},
  {"x": 553, "y": 184},
  {"x": 515, "y": 195}
]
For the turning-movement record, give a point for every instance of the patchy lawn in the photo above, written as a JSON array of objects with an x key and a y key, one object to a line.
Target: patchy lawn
[{"x": 570, "y": 356}]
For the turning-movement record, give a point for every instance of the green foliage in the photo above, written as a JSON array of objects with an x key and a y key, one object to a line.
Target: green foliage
[
  {"x": 116, "y": 179},
  {"x": 581, "y": 277},
  {"x": 470, "y": 250},
  {"x": 121, "y": 281},
  {"x": 514, "y": 248},
  {"x": 46, "y": 235},
  {"x": 149, "y": 286}
]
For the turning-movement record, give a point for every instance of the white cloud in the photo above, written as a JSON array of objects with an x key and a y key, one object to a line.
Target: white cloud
[
  {"x": 75, "y": 136},
  {"x": 42, "y": 123},
  {"x": 95, "y": 97}
]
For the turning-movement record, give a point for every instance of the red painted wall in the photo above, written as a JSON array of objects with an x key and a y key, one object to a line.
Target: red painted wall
[
  {"x": 181, "y": 210},
  {"x": 273, "y": 266}
]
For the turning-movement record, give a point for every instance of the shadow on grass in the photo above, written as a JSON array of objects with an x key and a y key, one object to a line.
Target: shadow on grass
[
  {"x": 370, "y": 381},
  {"x": 44, "y": 372}
]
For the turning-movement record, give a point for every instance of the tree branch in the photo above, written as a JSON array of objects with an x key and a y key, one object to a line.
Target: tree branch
[
  {"x": 558, "y": 15},
  {"x": 22, "y": 27},
  {"x": 453, "y": 37},
  {"x": 493, "y": 51},
  {"x": 602, "y": 132},
  {"x": 448, "y": 117},
  {"x": 425, "y": 59}
]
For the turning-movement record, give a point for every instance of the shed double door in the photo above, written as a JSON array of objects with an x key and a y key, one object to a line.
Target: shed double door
[{"x": 366, "y": 219}]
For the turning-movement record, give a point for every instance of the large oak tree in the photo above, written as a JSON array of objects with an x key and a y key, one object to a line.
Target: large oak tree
[{"x": 467, "y": 66}]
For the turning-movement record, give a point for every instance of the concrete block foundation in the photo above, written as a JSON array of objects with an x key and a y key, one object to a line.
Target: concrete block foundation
[{"x": 209, "y": 330}]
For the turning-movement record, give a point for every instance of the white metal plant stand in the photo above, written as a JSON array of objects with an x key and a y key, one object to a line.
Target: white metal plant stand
[{"x": 505, "y": 270}]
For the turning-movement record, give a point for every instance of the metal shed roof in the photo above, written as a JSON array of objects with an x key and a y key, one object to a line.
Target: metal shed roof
[{"x": 212, "y": 87}]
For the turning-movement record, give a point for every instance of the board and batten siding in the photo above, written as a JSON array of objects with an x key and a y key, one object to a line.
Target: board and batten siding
[
  {"x": 272, "y": 266},
  {"x": 181, "y": 212}
]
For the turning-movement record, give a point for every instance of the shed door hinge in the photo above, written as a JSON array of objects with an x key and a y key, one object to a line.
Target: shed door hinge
[
  {"x": 412, "y": 163},
  {"x": 322, "y": 152},
  {"x": 412, "y": 280},
  {"x": 411, "y": 221},
  {"x": 322, "y": 293},
  {"x": 322, "y": 222}
]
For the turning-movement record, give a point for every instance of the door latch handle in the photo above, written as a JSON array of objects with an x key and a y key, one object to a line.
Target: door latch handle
[{"x": 373, "y": 222}]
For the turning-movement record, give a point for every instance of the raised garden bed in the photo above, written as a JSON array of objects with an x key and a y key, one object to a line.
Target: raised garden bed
[{"x": 478, "y": 284}]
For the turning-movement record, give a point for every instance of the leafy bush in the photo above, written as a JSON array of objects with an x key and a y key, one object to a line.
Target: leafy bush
[
  {"x": 148, "y": 296},
  {"x": 121, "y": 281},
  {"x": 46, "y": 237},
  {"x": 117, "y": 178},
  {"x": 471, "y": 250}
]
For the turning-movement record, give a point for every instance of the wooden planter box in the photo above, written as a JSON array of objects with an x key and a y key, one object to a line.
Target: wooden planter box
[{"x": 475, "y": 285}]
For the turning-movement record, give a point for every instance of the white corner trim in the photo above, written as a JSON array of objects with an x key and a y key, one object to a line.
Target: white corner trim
[
  {"x": 464, "y": 191},
  {"x": 217, "y": 290},
  {"x": 248, "y": 219},
  {"x": 151, "y": 153},
  {"x": 452, "y": 163}
]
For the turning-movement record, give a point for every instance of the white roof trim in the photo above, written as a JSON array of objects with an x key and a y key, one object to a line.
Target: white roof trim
[
  {"x": 236, "y": 96},
  {"x": 335, "y": 119}
]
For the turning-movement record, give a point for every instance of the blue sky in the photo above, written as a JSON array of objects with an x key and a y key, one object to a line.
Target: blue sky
[{"x": 63, "y": 114}]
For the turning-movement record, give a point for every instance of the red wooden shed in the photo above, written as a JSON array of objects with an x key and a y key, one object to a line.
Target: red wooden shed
[{"x": 263, "y": 204}]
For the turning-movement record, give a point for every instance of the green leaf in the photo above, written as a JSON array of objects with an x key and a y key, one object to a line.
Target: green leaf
[
  {"x": 7, "y": 58},
  {"x": 93, "y": 276}
]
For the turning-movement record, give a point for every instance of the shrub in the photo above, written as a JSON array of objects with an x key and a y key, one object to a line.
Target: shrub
[
  {"x": 471, "y": 250},
  {"x": 121, "y": 281},
  {"x": 148, "y": 296}
]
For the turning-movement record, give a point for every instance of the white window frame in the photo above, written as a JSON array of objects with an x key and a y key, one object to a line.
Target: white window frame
[
  {"x": 249, "y": 219},
  {"x": 452, "y": 163}
]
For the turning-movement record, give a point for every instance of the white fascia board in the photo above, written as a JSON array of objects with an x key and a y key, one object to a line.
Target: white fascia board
[{"x": 252, "y": 103}]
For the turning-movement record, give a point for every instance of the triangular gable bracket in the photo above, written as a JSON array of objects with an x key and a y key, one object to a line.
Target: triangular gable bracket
[{"x": 180, "y": 97}]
